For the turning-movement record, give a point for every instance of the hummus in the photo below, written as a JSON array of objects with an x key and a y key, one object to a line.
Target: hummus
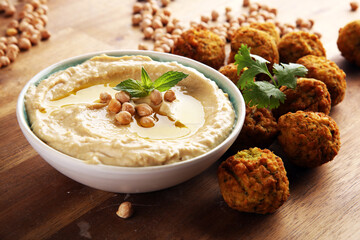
[{"x": 62, "y": 113}]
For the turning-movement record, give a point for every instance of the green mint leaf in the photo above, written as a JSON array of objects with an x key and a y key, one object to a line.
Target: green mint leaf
[
  {"x": 168, "y": 80},
  {"x": 145, "y": 79},
  {"x": 133, "y": 87},
  {"x": 254, "y": 64},
  {"x": 263, "y": 94},
  {"x": 286, "y": 74}
]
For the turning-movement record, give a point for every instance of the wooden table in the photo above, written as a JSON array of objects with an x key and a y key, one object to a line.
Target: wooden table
[{"x": 37, "y": 202}]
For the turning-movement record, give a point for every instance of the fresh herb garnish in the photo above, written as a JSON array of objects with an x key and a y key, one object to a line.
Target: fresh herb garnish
[
  {"x": 263, "y": 93},
  {"x": 145, "y": 86}
]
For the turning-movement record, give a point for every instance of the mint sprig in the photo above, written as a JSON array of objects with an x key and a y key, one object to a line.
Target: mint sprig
[
  {"x": 145, "y": 86},
  {"x": 262, "y": 93}
]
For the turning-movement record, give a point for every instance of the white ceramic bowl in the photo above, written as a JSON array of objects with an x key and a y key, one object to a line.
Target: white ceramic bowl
[{"x": 132, "y": 179}]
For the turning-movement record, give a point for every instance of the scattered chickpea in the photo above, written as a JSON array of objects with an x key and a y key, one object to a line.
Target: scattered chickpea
[
  {"x": 246, "y": 3},
  {"x": 125, "y": 210},
  {"x": 156, "y": 97},
  {"x": 13, "y": 24},
  {"x": 10, "y": 11},
  {"x": 205, "y": 19},
  {"x": 354, "y": 6},
  {"x": 214, "y": 15},
  {"x": 45, "y": 34},
  {"x": 147, "y": 121},
  {"x": 169, "y": 95},
  {"x": 128, "y": 107},
  {"x": 114, "y": 106},
  {"x": 11, "y": 54},
  {"x": 137, "y": 7},
  {"x": 122, "y": 96},
  {"x": 4, "y": 61},
  {"x": 123, "y": 117},
  {"x": 136, "y": 19},
  {"x": 2, "y": 46},
  {"x": 105, "y": 97},
  {"x": 3, "y": 40},
  {"x": 148, "y": 32},
  {"x": 142, "y": 46},
  {"x": 11, "y": 32},
  {"x": 2, "y": 53},
  {"x": 12, "y": 40},
  {"x": 143, "y": 109},
  {"x": 35, "y": 38},
  {"x": 24, "y": 44},
  {"x": 165, "y": 3},
  {"x": 157, "y": 23}
]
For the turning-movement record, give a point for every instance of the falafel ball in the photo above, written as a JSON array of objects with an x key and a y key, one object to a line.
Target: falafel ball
[
  {"x": 269, "y": 28},
  {"x": 230, "y": 71},
  {"x": 254, "y": 180},
  {"x": 260, "y": 42},
  {"x": 348, "y": 42},
  {"x": 259, "y": 129},
  {"x": 201, "y": 45},
  {"x": 295, "y": 45},
  {"x": 309, "y": 139},
  {"x": 328, "y": 72},
  {"x": 309, "y": 95}
]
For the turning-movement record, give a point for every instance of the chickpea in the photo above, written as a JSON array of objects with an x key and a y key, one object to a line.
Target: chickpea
[
  {"x": 125, "y": 210},
  {"x": 114, "y": 106},
  {"x": 45, "y": 34},
  {"x": 354, "y": 6},
  {"x": 13, "y": 47},
  {"x": 11, "y": 32},
  {"x": 12, "y": 40},
  {"x": 3, "y": 40},
  {"x": 2, "y": 46},
  {"x": 128, "y": 107},
  {"x": 142, "y": 46},
  {"x": 13, "y": 24},
  {"x": 28, "y": 7},
  {"x": 10, "y": 11},
  {"x": 156, "y": 97},
  {"x": 205, "y": 19},
  {"x": 167, "y": 12},
  {"x": 2, "y": 53},
  {"x": 165, "y": 3},
  {"x": 147, "y": 121},
  {"x": 214, "y": 15},
  {"x": 4, "y": 61},
  {"x": 143, "y": 109},
  {"x": 137, "y": 7},
  {"x": 44, "y": 19},
  {"x": 136, "y": 19},
  {"x": 122, "y": 96},
  {"x": 11, "y": 54},
  {"x": 105, "y": 97},
  {"x": 24, "y": 44},
  {"x": 157, "y": 23},
  {"x": 123, "y": 117},
  {"x": 148, "y": 32},
  {"x": 35, "y": 3},
  {"x": 169, "y": 95},
  {"x": 246, "y": 3}
]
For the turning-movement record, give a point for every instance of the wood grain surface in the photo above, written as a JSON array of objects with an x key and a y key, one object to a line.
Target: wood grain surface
[{"x": 37, "y": 202}]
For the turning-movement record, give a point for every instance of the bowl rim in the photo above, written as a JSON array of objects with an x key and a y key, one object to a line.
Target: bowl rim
[{"x": 166, "y": 57}]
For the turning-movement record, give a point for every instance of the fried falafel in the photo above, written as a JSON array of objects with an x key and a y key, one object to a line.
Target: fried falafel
[
  {"x": 201, "y": 45},
  {"x": 269, "y": 28},
  {"x": 259, "y": 129},
  {"x": 309, "y": 139},
  {"x": 309, "y": 95},
  {"x": 328, "y": 72},
  {"x": 254, "y": 180},
  {"x": 348, "y": 42},
  {"x": 295, "y": 45},
  {"x": 260, "y": 42},
  {"x": 230, "y": 71}
]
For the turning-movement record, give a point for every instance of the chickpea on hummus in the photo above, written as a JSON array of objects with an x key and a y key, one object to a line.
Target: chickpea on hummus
[{"x": 66, "y": 112}]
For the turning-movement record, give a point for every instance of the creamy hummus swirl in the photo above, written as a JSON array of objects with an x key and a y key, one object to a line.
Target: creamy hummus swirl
[{"x": 91, "y": 134}]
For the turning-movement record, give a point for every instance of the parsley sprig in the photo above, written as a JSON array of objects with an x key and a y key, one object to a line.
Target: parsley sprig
[
  {"x": 263, "y": 93},
  {"x": 145, "y": 86}
]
